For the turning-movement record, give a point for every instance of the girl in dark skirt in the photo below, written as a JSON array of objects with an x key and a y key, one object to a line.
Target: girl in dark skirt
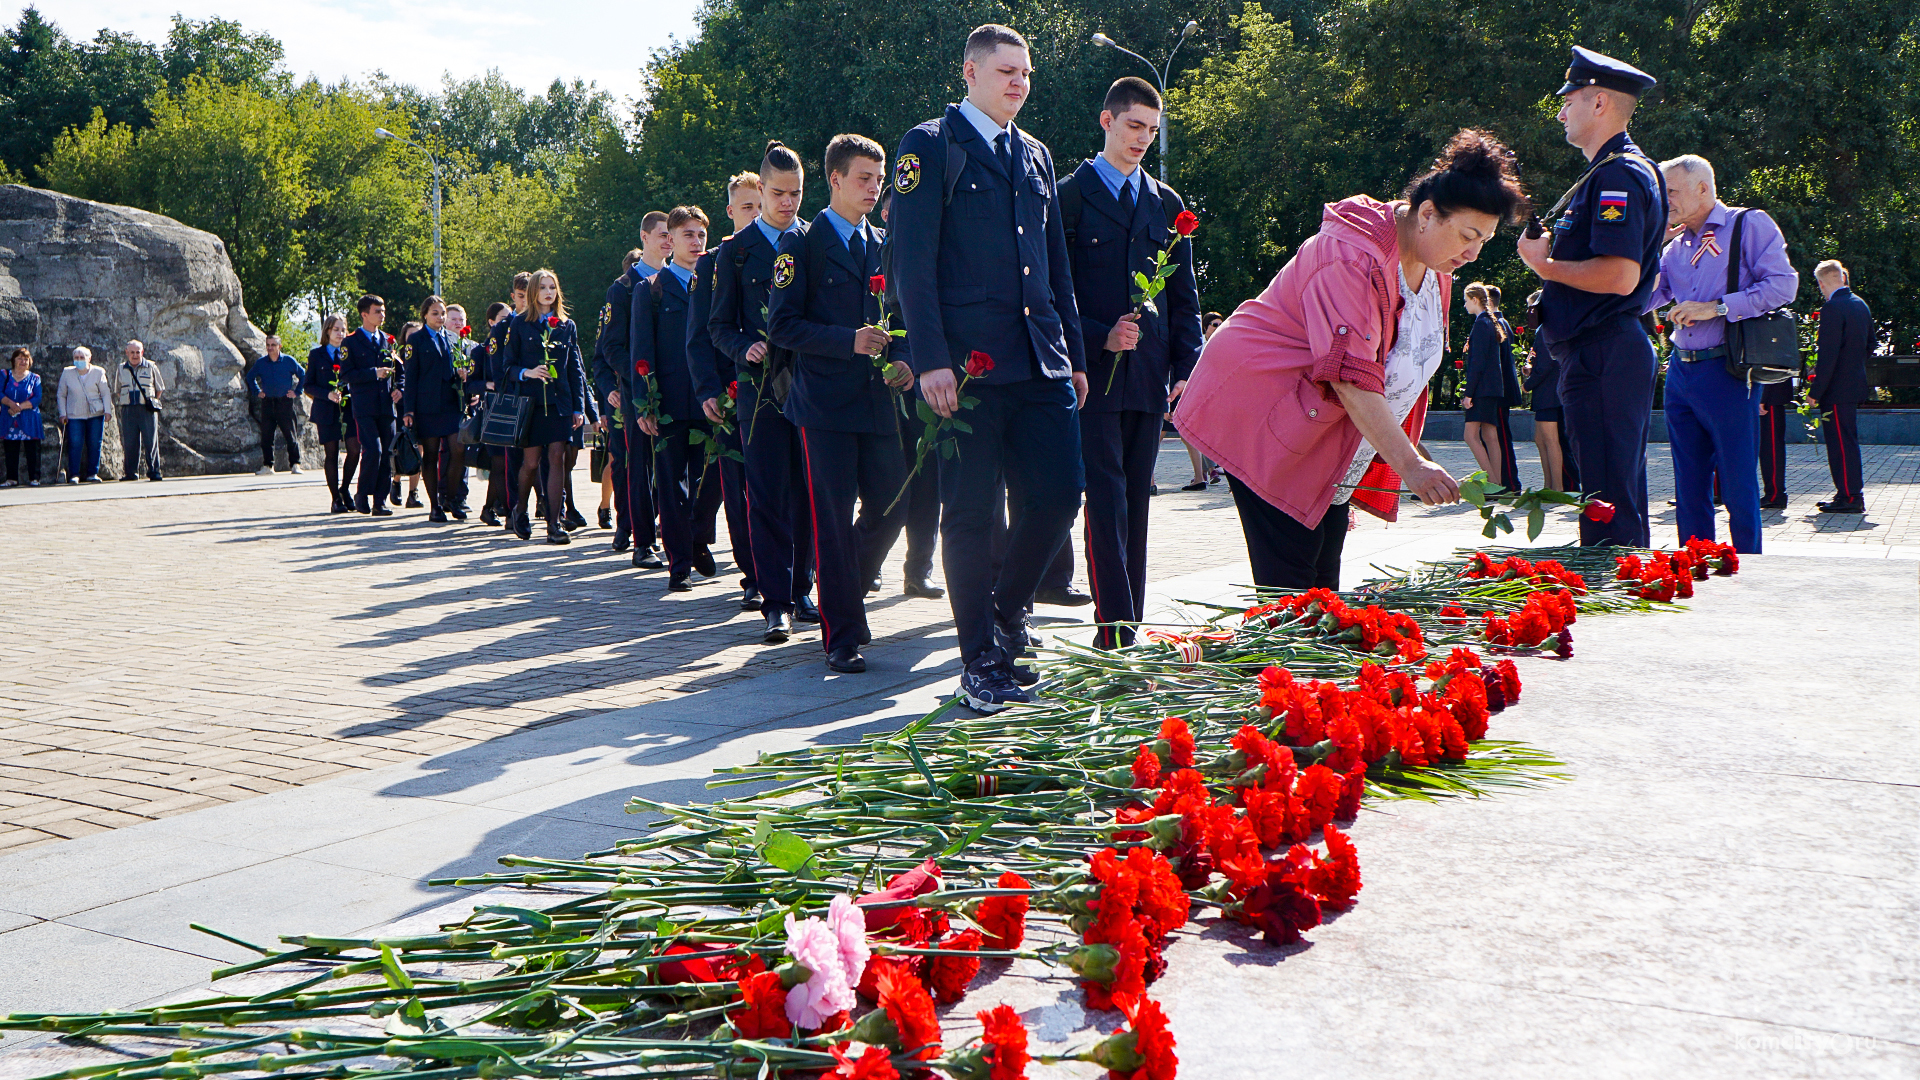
[
  {"x": 434, "y": 403},
  {"x": 1483, "y": 390},
  {"x": 543, "y": 356},
  {"x": 332, "y": 416}
]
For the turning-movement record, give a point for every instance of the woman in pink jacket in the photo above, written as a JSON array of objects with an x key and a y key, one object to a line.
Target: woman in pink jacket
[{"x": 1316, "y": 390}]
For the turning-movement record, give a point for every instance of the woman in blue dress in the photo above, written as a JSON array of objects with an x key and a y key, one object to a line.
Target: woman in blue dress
[
  {"x": 21, "y": 427},
  {"x": 332, "y": 415},
  {"x": 543, "y": 358}
]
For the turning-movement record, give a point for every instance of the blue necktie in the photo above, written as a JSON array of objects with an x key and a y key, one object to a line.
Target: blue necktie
[
  {"x": 858, "y": 246},
  {"x": 1000, "y": 151}
]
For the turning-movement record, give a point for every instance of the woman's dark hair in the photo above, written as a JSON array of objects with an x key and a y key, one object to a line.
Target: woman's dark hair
[
  {"x": 429, "y": 302},
  {"x": 1474, "y": 172},
  {"x": 18, "y": 352},
  {"x": 779, "y": 158},
  {"x": 494, "y": 309}
]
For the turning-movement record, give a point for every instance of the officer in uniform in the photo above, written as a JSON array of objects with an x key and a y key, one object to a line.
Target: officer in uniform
[
  {"x": 778, "y": 522},
  {"x": 825, "y": 310},
  {"x": 632, "y": 502},
  {"x": 1599, "y": 268},
  {"x": 372, "y": 369},
  {"x": 987, "y": 290},
  {"x": 712, "y": 375},
  {"x": 922, "y": 502},
  {"x": 1118, "y": 220}
]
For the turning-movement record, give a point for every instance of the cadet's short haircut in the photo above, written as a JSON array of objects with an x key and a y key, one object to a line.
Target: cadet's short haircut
[
  {"x": 844, "y": 148},
  {"x": 742, "y": 179},
  {"x": 1493, "y": 294},
  {"x": 1125, "y": 93},
  {"x": 683, "y": 214},
  {"x": 779, "y": 158},
  {"x": 631, "y": 257},
  {"x": 654, "y": 218},
  {"x": 362, "y": 304},
  {"x": 1830, "y": 268},
  {"x": 494, "y": 309},
  {"x": 521, "y": 280},
  {"x": 985, "y": 39}
]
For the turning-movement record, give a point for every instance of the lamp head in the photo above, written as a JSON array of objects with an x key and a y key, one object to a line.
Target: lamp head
[
  {"x": 384, "y": 133},
  {"x": 1103, "y": 40},
  {"x": 1192, "y": 25}
]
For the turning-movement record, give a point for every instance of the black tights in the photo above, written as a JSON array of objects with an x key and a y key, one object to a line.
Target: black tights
[
  {"x": 442, "y": 460},
  {"x": 14, "y": 447},
  {"x": 556, "y": 454},
  {"x": 331, "y": 466}
]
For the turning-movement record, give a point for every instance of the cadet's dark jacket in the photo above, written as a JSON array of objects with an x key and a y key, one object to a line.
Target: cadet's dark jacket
[
  {"x": 743, "y": 277},
  {"x": 432, "y": 387},
  {"x": 1484, "y": 376},
  {"x": 1846, "y": 340},
  {"x": 657, "y": 333},
  {"x": 711, "y": 371},
  {"x": 817, "y": 305},
  {"x": 372, "y": 395},
  {"x": 496, "y": 363},
  {"x": 523, "y": 349},
  {"x": 990, "y": 271},
  {"x": 1107, "y": 251},
  {"x": 319, "y": 379},
  {"x": 612, "y": 359},
  {"x": 476, "y": 352},
  {"x": 1621, "y": 210}
]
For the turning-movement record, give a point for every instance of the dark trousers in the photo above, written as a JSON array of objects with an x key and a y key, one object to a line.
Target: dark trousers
[
  {"x": 276, "y": 414},
  {"x": 617, "y": 462},
  {"x": 633, "y": 484},
  {"x": 83, "y": 446},
  {"x": 1777, "y": 398},
  {"x": 1059, "y": 572},
  {"x": 1713, "y": 421},
  {"x": 1840, "y": 428},
  {"x": 681, "y": 498},
  {"x": 503, "y": 468},
  {"x": 922, "y": 508},
  {"x": 841, "y": 465},
  {"x": 1031, "y": 430},
  {"x": 376, "y": 455},
  {"x": 1509, "y": 464},
  {"x": 1286, "y": 554},
  {"x": 1606, "y": 390},
  {"x": 139, "y": 441},
  {"x": 1120, "y": 450},
  {"x": 13, "y": 451},
  {"x": 731, "y": 478},
  {"x": 779, "y": 523}
]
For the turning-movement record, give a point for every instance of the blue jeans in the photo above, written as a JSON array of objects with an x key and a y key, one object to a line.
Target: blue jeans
[
  {"x": 83, "y": 446},
  {"x": 1713, "y": 423}
]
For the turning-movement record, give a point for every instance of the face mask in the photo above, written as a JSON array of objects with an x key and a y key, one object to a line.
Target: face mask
[{"x": 80, "y": 361}]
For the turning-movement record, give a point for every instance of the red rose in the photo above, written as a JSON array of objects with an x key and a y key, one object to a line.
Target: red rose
[
  {"x": 698, "y": 970},
  {"x": 1659, "y": 328},
  {"x": 553, "y": 322},
  {"x": 877, "y": 284},
  {"x": 978, "y": 364},
  {"x": 1186, "y": 223},
  {"x": 1459, "y": 364},
  {"x": 642, "y": 368},
  {"x": 336, "y": 369},
  {"x": 733, "y": 390},
  {"x": 924, "y": 878},
  {"x": 389, "y": 339},
  {"x": 1596, "y": 510}
]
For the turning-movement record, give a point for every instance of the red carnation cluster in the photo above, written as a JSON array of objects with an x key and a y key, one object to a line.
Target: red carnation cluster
[
  {"x": 945, "y": 977},
  {"x": 1140, "y": 903},
  {"x": 1370, "y": 629},
  {"x": 1719, "y": 558},
  {"x": 1665, "y": 575},
  {"x": 1539, "y": 624},
  {"x": 1386, "y": 713},
  {"x": 1547, "y": 572}
]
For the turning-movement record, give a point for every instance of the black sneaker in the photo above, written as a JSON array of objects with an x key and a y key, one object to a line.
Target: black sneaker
[
  {"x": 987, "y": 686},
  {"x": 679, "y": 583},
  {"x": 1017, "y": 637},
  {"x": 703, "y": 562},
  {"x": 647, "y": 559},
  {"x": 606, "y": 517}
]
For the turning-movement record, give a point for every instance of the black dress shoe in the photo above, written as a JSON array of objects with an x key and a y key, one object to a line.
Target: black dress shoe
[
  {"x": 924, "y": 588},
  {"x": 1775, "y": 504},
  {"x": 621, "y": 542},
  {"x": 393, "y": 495},
  {"x": 438, "y": 517},
  {"x": 488, "y": 517},
  {"x": 847, "y": 661},
  {"x": 779, "y": 628},
  {"x": 647, "y": 559},
  {"x": 1065, "y": 596},
  {"x": 380, "y": 510},
  {"x": 573, "y": 520},
  {"x": 703, "y": 562},
  {"x": 750, "y": 600},
  {"x": 679, "y": 583},
  {"x": 1842, "y": 507},
  {"x": 804, "y": 611},
  {"x": 413, "y": 502},
  {"x": 361, "y": 506},
  {"x": 606, "y": 517},
  {"x": 523, "y": 526},
  {"x": 341, "y": 505},
  {"x": 556, "y": 534},
  {"x": 873, "y": 586},
  {"x": 458, "y": 513}
]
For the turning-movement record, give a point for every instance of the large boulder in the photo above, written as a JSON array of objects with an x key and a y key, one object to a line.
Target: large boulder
[{"x": 74, "y": 272}]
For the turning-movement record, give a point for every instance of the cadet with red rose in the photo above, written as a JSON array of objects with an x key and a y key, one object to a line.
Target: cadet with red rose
[
  {"x": 1118, "y": 219},
  {"x": 714, "y": 378},
  {"x": 372, "y": 372}
]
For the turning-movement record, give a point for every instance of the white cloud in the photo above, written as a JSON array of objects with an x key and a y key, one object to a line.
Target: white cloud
[{"x": 532, "y": 42}]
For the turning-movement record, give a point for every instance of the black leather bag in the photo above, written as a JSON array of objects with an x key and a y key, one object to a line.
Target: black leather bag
[
  {"x": 472, "y": 427},
  {"x": 1765, "y": 348},
  {"x": 505, "y": 422}
]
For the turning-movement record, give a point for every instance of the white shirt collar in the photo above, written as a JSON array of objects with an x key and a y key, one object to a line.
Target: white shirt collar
[{"x": 984, "y": 124}]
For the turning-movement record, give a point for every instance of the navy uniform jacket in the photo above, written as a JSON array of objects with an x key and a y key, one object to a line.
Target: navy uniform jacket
[
  {"x": 711, "y": 371},
  {"x": 990, "y": 271},
  {"x": 1620, "y": 210},
  {"x": 1484, "y": 376},
  {"x": 1846, "y": 340},
  {"x": 372, "y": 395},
  {"x": 496, "y": 365},
  {"x": 318, "y": 382},
  {"x": 742, "y": 280},
  {"x": 612, "y": 360},
  {"x": 657, "y": 333},
  {"x": 1107, "y": 251},
  {"x": 1509, "y": 370},
  {"x": 523, "y": 349},
  {"x": 476, "y": 352},
  {"x": 819, "y": 299},
  {"x": 432, "y": 387}
]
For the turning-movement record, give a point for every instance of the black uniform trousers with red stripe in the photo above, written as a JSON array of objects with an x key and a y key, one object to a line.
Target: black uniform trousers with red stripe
[
  {"x": 1776, "y": 399},
  {"x": 683, "y": 497},
  {"x": 842, "y": 466},
  {"x": 1840, "y": 428},
  {"x": 1119, "y": 449}
]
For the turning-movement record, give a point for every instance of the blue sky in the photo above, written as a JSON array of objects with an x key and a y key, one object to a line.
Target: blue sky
[{"x": 414, "y": 41}]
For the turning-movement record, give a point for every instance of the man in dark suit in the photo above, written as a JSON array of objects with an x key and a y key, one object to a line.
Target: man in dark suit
[
  {"x": 1839, "y": 383},
  {"x": 373, "y": 371},
  {"x": 824, "y": 308},
  {"x": 778, "y": 523},
  {"x": 1118, "y": 220},
  {"x": 712, "y": 374},
  {"x": 986, "y": 286}
]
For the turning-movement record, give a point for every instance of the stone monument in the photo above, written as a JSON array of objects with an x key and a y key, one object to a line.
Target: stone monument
[{"x": 74, "y": 272}]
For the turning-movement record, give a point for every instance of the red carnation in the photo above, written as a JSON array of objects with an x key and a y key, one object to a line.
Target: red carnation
[
  {"x": 1599, "y": 511},
  {"x": 949, "y": 975},
  {"x": 553, "y": 322},
  {"x": 1179, "y": 739},
  {"x": 1007, "y": 1037},
  {"x": 872, "y": 1064},
  {"x": 642, "y": 368},
  {"x": 877, "y": 284},
  {"x": 1004, "y": 918},
  {"x": 1186, "y": 223},
  {"x": 978, "y": 364},
  {"x": 910, "y": 1011},
  {"x": 765, "y": 1015},
  {"x": 1153, "y": 1043},
  {"x": 1146, "y": 768}
]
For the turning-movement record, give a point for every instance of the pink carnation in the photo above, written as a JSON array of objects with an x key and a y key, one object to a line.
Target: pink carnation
[
  {"x": 849, "y": 925},
  {"x": 815, "y": 946}
]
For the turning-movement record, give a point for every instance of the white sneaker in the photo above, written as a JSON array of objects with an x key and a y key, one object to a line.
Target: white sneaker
[
  {"x": 264, "y": 470},
  {"x": 10, "y": 483},
  {"x": 295, "y": 467}
]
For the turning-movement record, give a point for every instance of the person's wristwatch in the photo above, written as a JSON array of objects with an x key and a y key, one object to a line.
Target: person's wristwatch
[{"x": 1720, "y": 309}]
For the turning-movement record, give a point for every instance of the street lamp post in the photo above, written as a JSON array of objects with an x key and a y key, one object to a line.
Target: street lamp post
[
  {"x": 435, "y": 162},
  {"x": 1160, "y": 75}
]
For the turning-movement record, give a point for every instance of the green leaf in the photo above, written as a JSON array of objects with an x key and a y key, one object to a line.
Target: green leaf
[
  {"x": 787, "y": 851},
  {"x": 947, "y": 450},
  {"x": 1536, "y": 520},
  {"x": 973, "y": 834},
  {"x": 969, "y": 402},
  {"x": 925, "y": 411},
  {"x": 390, "y": 966},
  {"x": 897, "y": 333},
  {"x": 1168, "y": 270},
  {"x": 1472, "y": 492},
  {"x": 1140, "y": 280},
  {"x": 525, "y": 916},
  {"x": 960, "y": 425}
]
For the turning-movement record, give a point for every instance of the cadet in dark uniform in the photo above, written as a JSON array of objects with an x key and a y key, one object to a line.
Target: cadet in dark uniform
[
  {"x": 637, "y": 466},
  {"x": 543, "y": 355},
  {"x": 432, "y": 404},
  {"x": 373, "y": 372},
  {"x": 612, "y": 365},
  {"x": 712, "y": 374},
  {"x": 984, "y": 276},
  {"x": 659, "y": 344},
  {"x": 332, "y": 419},
  {"x": 824, "y": 309},
  {"x": 1118, "y": 219},
  {"x": 1839, "y": 383},
  {"x": 778, "y": 522},
  {"x": 1599, "y": 265}
]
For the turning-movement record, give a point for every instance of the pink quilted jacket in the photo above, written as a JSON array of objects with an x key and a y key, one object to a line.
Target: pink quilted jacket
[{"x": 1261, "y": 400}]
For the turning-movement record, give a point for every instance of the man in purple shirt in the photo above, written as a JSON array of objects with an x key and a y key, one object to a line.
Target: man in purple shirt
[{"x": 1712, "y": 415}]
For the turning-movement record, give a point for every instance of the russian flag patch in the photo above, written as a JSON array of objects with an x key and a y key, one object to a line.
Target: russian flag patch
[{"x": 1613, "y": 206}]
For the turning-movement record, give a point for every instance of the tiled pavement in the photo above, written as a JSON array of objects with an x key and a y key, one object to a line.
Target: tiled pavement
[{"x": 188, "y": 651}]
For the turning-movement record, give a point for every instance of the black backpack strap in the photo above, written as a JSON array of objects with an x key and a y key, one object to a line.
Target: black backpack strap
[
  {"x": 1733, "y": 253},
  {"x": 956, "y": 162},
  {"x": 1071, "y": 204}
]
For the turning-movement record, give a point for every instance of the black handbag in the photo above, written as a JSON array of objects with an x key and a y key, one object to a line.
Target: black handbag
[
  {"x": 406, "y": 453},
  {"x": 505, "y": 422},
  {"x": 471, "y": 427},
  {"x": 1765, "y": 348}
]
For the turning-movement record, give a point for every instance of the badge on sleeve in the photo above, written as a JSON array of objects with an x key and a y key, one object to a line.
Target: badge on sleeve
[
  {"x": 606, "y": 315},
  {"x": 906, "y": 173},
  {"x": 783, "y": 271},
  {"x": 1613, "y": 207}
]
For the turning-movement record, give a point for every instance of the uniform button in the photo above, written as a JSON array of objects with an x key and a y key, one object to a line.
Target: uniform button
[
  {"x": 1342, "y": 330},
  {"x": 1026, "y": 311},
  {"x": 1021, "y": 229},
  {"x": 1025, "y": 270}
]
